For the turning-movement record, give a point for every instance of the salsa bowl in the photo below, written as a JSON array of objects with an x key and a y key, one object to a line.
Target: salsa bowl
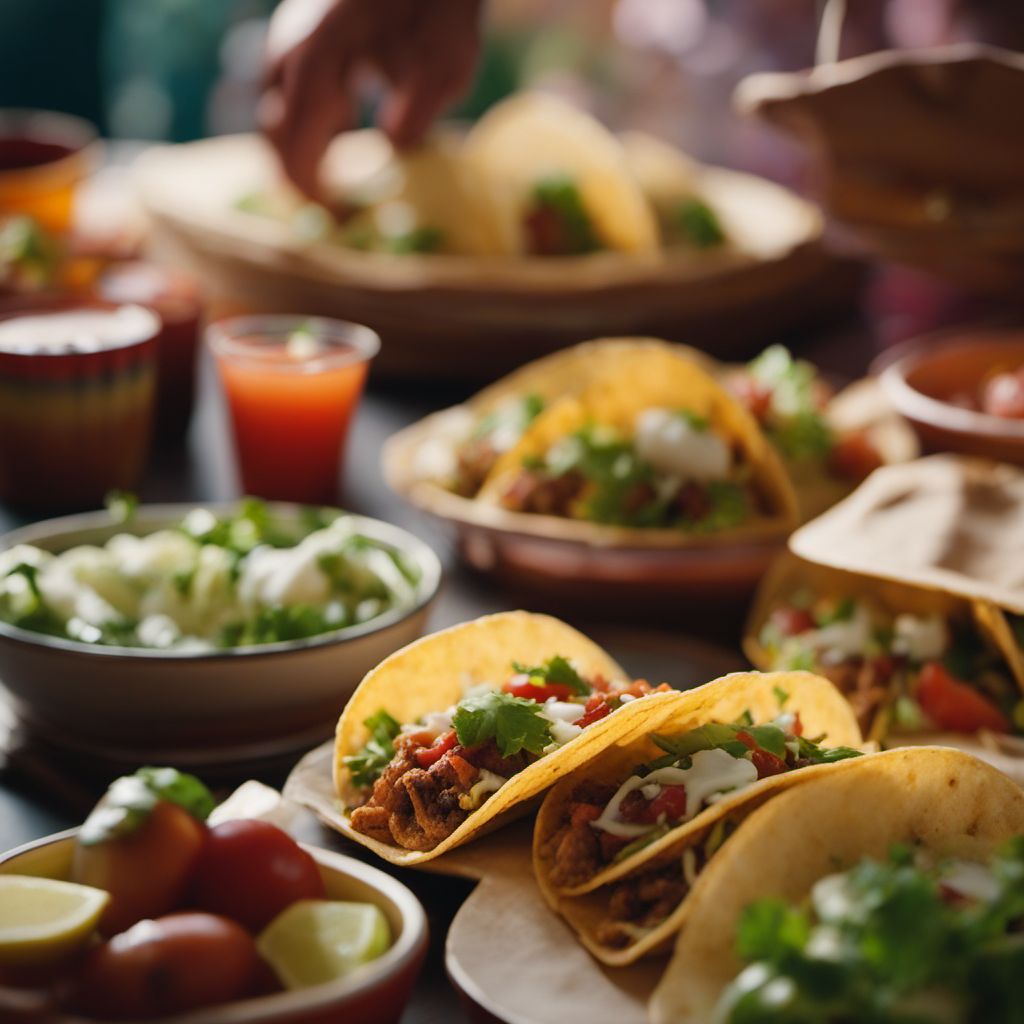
[
  {"x": 375, "y": 993},
  {"x": 197, "y": 707}
]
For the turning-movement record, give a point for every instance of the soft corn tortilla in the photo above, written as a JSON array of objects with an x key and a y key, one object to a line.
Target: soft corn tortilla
[
  {"x": 649, "y": 378},
  {"x": 532, "y": 136},
  {"x": 431, "y": 675},
  {"x": 945, "y": 800},
  {"x": 823, "y": 712},
  {"x": 791, "y": 575}
]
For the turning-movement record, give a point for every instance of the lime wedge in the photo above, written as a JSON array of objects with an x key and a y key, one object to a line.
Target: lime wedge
[
  {"x": 314, "y": 941},
  {"x": 41, "y": 919}
]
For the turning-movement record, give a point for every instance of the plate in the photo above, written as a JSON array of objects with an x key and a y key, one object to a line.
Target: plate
[{"x": 473, "y": 319}]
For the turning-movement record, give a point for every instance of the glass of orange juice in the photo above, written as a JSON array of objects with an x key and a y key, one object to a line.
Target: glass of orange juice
[{"x": 293, "y": 384}]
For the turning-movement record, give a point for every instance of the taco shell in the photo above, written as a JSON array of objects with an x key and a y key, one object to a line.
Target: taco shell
[
  {"x": 432, "y": 674},
  {"x": 945, "y": 800},
  {"x": 533, "y": 136},
  {"x": 651, "y": 377},
  {"x": 823, "y": 712}
]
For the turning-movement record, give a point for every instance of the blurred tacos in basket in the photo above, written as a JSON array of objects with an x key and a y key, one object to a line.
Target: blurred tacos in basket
[
  {"x": 449, "y": 736},
  {"x": 912, "y": 661},
  {"x": 657, "y": 452},
  {"x": 620, "y": 841},
  {"x": 931, "y": 936}
]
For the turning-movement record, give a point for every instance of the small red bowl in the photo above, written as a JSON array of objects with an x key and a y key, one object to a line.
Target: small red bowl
[
  {"x": 375, "y": 993},
  {"x": 923, "y": 377}
]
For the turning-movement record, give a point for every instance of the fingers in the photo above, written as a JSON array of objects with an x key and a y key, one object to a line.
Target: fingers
[{"x": 304, "y": 111}]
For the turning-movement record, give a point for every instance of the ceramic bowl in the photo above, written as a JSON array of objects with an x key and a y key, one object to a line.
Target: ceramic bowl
[
  {"x": 196, "y": 708},
  {"x": 374, "y": 994},
  {"x": 923, "y": 378}
]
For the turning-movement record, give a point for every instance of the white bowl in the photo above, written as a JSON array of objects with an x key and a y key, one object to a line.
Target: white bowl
[{"x": 196, "y": 708}]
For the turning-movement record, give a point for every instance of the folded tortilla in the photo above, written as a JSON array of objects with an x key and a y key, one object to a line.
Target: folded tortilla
[
  {"x": 824, "y": 715},
  {"x": 943, "y": 800}
]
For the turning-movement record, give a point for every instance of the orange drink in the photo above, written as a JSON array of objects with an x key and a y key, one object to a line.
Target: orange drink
[{"x": 292, "y": 385}]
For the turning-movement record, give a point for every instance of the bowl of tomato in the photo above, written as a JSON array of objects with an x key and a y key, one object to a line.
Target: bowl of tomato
[
  {"x": 962, "y": 390},
  {"x": 149, "y": 912}
]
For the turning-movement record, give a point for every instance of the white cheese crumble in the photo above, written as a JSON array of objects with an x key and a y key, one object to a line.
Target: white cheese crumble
[
  {"x": 920, "y": 638},
  {"x": 670, "y": 443}
]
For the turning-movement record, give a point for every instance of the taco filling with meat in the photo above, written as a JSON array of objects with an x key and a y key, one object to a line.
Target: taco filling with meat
[
  {"x": 419, "y": 781},
  {"x": 607, "y": 824},
  {"x": 902, "y": 673},
  {"x": 675, "y": 471},
  {"x": 915, "y": 938},
  {"x": 789, "y": 400},
  {"x": 556, "y": 222}
]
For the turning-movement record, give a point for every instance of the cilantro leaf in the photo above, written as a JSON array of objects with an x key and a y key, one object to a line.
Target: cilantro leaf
[
  {"x": 780, "y": 695},
  {"x": 557, "y": 670},
  {"x": 366, "y": 766},
  {"x": 514, "y": 723},
  {"x": 816, "y": 754},
  {"x": 712, "y": 736}
]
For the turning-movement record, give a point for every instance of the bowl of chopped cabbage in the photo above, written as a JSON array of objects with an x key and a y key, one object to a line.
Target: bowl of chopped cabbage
[{"x": 204, "y": 635}]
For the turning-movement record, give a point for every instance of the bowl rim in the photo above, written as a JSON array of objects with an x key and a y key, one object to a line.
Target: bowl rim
[
  {"x": 411, "y": 942},
  {"x": 894, "y": 367},
  {"x": 166, "y": 513}
]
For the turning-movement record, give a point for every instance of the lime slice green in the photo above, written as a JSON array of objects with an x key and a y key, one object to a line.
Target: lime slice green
[
  {"x": 314, "y": 941},
  {"x": 41, "y": 919}
]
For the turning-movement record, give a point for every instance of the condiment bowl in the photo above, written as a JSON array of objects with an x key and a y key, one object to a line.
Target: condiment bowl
[
  {"x": 197, "y": 708},
  {"x": 926, "y": 378},
  {"x": 375, "y": 993}
]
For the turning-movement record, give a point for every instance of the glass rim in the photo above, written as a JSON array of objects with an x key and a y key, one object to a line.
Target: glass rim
[
  {"x": 361, "y": 343},
  {"x": 72, "y": 304},
  {"x": 77, "y": 134}
]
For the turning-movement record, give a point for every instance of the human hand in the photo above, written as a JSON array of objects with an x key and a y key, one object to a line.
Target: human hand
[{"x": 425, "y": 50}]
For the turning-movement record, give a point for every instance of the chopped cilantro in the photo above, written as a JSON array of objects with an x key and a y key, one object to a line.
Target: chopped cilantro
[
  {"x": 780, "y": 695},
  {"x": 421, "y": 239},
  {"x": 699, "y": 224},
  {"x": 556, "y": 670},
  {"x": 514, "y": 723},
  {"x": 366, "y": 766},
  {"x": 561, "y": 195}
]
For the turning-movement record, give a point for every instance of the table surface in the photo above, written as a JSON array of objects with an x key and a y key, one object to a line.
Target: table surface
[{"x": 38, "y": 795}]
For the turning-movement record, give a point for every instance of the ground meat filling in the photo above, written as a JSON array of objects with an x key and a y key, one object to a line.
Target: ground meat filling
[
  {"x": 640, "y": 903},
  {"x": 475, "y": 459},
  {"x": 417, "y": 808},
  {"x": 865, "y": 683}
]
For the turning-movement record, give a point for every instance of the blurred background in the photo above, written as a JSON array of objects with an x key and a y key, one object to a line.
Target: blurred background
[{"x": 182, "y": 69}]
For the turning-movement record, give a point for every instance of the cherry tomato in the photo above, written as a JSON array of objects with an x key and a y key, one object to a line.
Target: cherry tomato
[
  {"x": 763, "y": 760},
  {"x": 147, "y": 871},
  {"x": 170, "y": 965},
  {"x": 596, "y": 709},
  {"x": 753, "y": 394},
  {"x": 954, "y": 705},
  {"x": 520, "y": 686},
  {"x": 792, "y": 621},
  {"x": 854, "y": 457},
  {"x": 1003, "y": 395},
  {"x": 426, "y": 756},
  {"x": 251, "y": 870}
]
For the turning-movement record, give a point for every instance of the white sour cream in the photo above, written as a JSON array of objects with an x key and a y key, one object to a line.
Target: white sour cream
[{"x": 671, "y": 444}]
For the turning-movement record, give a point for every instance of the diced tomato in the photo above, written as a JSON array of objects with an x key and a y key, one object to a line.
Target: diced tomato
[
  {"x": 764, "y": 761},
  {"x": 466, "y": 772},
  {"x": 641, "y": 688},
  {"x": 1003, "y": 395},
  {"x": 671, "y": 802},
  {"x": 596, "y": 709},
  {"x": 798, "y": 726},
  {"x": 600, "y": 684},
  {"x": 753, "y": 394},
  {"x": 520, "y": 686},
  {"x": 584, "y": 813},
  {"x": 427, "y": 756},
  {"x": 952, "y": 704},
  {"x": 792, "y": 621},
  {"x": 854, "y": 457}
]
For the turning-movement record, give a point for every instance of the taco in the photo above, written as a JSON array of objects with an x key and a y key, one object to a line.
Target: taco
[
  {"x": 620, "y": 840},
  {"x": 911, "y": 661},
  {"x": 671, "y": 181},
  {"x": 825, "y": 440},
  {"x": 656, "y": 450},
  {"x": 448, "y": 736},
  {"x": 559, "y": 182},
  {"x": 456, "y": 449},
  {"x": 930, "y": 936}
]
